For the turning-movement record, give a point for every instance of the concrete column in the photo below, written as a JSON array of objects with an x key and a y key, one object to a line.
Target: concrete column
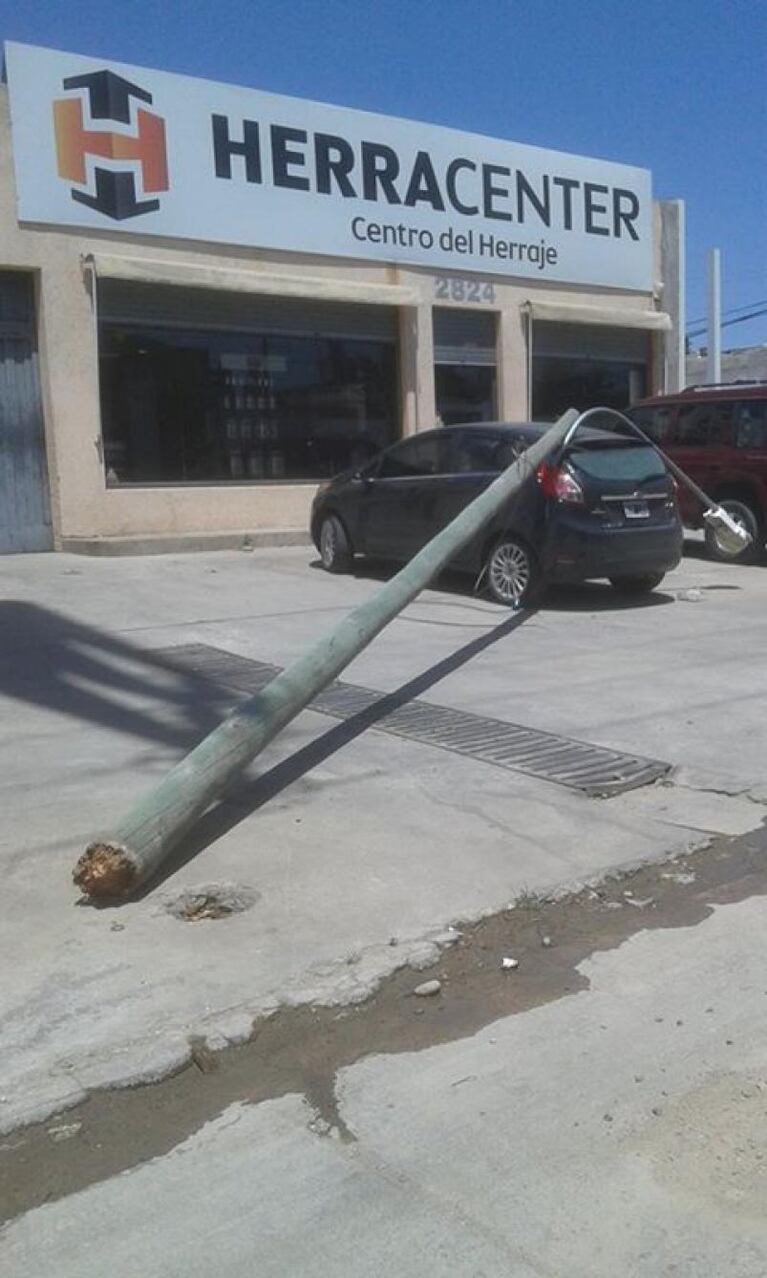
[
  {"x": 70, "y": 386},
  {"x": 672, "y": 273},
  {"x": 513, "y": 392},
  {"x": 417, "y": 368}
]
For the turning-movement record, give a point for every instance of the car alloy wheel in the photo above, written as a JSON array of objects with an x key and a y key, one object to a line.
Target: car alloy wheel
[
  {"x": 510, "y": 573},
  {"x": 335, "y": 550}
]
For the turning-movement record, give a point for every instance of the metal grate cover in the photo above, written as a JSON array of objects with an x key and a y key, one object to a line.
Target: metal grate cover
[{"x": 592, "y": 769}]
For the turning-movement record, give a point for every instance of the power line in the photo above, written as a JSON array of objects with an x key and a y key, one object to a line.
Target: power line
[
  {"x": 731, "y": 310},
  {"x": 740, "y": 319}
]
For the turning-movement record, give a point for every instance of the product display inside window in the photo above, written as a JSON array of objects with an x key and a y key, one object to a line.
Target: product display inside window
[
  {"x": 560, "y": 383},
  {"x": 185, "y": 406},
  {"x": 464, "y": 393}
]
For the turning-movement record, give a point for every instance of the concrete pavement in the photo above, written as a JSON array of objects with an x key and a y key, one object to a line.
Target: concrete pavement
[
  {"x": 620, "y": 1130},
  {"x": 382, "y": 839}
]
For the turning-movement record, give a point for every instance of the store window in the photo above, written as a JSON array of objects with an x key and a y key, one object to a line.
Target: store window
[
  {"x": 188, "y": 405},
  {"x": 584, "y": 365},
  {"x": 464, "y": 366}
]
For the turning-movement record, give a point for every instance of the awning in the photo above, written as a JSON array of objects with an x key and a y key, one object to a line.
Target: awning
[
  {"x": 605, "y": 316},
  {"x": 157, "y": 270}
]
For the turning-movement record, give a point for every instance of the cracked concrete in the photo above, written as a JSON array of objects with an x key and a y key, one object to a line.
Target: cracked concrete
[
  {"x": 308, "y": 1048},
  {"x": 620, "y": 1130}
]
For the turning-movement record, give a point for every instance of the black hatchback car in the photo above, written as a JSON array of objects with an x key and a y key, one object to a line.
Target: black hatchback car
[{"x": 604, "y": 507}]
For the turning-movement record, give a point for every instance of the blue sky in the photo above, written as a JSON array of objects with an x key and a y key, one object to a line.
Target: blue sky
[{"x": 675, "y": 86}]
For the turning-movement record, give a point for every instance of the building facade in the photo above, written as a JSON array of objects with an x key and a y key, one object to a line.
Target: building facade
[{"x": 212, "y": 299}]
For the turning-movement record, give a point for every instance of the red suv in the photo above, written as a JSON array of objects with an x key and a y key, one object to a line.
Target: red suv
[{"x": 718, "y": 435}]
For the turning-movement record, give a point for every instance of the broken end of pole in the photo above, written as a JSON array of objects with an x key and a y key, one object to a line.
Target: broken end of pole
[{"x": 105, "y": 869}]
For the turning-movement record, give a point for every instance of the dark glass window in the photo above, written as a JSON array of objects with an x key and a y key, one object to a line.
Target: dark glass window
[
  {"x": 562, "y": 382},
  {"x": 635, "y": 463},
  {"x": 187, "y": 406},
  {"x": 655, "y": 422},
  {"x": 704, "y": 424},
  {"x": 417, "y": 457},
  {"x": 465, "y": 393},
  {"x": 483, "y": 452},
  {"x": 15, "y": 297},
  {"x": 751, "y": 423}
]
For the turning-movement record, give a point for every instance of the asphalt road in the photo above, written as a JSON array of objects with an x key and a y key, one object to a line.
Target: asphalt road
[{"x": 525, "y": 1144}]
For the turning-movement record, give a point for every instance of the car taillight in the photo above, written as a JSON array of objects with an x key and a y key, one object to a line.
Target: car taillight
[{"x": 560, "y": 483}]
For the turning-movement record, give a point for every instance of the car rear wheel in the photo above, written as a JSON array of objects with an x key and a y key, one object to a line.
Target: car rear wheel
[
  {"x": 637, "y": 585},
  {"x": 747, "y": 517},
  {"x": 513, "y": 575},
  {"x": 335, "y": 547}
]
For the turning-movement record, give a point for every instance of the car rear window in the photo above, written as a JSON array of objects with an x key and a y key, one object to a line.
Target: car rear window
[{"x": 635, "y": 462}]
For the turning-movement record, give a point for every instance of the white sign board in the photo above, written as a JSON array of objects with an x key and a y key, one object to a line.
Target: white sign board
[{"x": 103, "y": 145}]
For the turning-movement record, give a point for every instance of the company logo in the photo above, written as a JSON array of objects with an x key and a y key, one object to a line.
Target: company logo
[{"x": 110, "y": 98}]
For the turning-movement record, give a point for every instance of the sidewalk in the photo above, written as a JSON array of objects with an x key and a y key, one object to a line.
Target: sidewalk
[{"x": 338, "y": 854}]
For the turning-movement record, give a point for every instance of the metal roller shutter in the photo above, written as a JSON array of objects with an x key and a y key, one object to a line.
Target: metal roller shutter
[
  {"x": 127, "y": 302},
  {"x": 25, "y": 521},
  {"x": 590, "y": 341},
  {"x": 464, "y": 337}
]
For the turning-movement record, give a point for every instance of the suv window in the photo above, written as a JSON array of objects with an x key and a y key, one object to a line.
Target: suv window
[
  {"x": 751, "y": 423},
  {"x": 655, "y": 422},
  {"x": 704, "y": 423},
  {"x": 417, "y": 457}
]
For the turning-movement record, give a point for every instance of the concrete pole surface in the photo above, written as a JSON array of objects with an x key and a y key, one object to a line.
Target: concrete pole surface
[
  {"x": 672, "y": 274},
  {"x": 714, "y": 355},
  {"x": 118, "y": 863}
]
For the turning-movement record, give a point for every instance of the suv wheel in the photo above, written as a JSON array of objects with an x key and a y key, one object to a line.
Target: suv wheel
[
  {"x": 747, "y": 517},
  {"x": 513, "y": 575},
  {"x": 334, "y": 544},
  {"x": 637, "y": 585}
]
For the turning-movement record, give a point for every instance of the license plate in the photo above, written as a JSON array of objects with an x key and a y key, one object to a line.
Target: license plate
[{"x": 636, "y": 509}]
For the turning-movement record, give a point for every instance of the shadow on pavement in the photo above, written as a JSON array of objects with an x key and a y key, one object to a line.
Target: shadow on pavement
[
  {"x": 590, "y": 596},
  {"x": 48, "y": 660},
  {"x": 246, "y": 796}
]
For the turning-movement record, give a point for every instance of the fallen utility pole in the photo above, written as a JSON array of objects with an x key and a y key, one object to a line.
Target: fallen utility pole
[
  {"x": 116, "y": 865},
  {"x": 732, "y": 537}
]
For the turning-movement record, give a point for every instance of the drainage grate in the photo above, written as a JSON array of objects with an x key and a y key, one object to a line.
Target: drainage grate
[{"x": 592, "y": 769}]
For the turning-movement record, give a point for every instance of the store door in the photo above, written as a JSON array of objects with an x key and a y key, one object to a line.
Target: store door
[
  {"x": 464, "y": 366},
  {"x": 25, "y": 521}
]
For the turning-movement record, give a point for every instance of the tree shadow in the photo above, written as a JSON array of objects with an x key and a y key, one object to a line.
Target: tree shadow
[
  {"x": 51, "y": 661},
  {"x": 246, "y": 795}
]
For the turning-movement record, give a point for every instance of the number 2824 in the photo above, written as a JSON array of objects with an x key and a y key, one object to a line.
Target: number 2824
[{"x": 458, "y": 290}]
